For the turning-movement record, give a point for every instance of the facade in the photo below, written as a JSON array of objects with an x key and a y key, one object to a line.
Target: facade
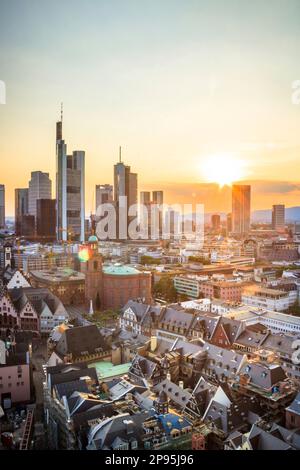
[
  {"x": 224, "y": 290},
  {"x": 65, "y": 283},
  {"x": 271, "y": 299},
  {"x": 46, "y": 219},
  {"x": 70, "y": 191},
  {"x": 104, "y": 194},
  {"x": 125, "y": 195},
  {"x": 111, "y": 286},
  {"x": 215, "y": 222},
  {"x": 241, "y": 200},
  {"x": 25, "y": 226},
  {"x": 15, "y": 373},
  {"x": 2, "y": 206},
  {"x": 187, "y": 285},
  {"x": 40, "y": 187},
  {"x": 278, "y": 217},
  {"x": 21, "y": 209}
]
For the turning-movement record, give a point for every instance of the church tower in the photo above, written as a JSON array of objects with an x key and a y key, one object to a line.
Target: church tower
[{"x": 92, "y": 268}]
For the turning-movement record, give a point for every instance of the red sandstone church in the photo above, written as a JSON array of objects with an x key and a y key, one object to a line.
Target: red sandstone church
[{"x": 112, "y": 286}]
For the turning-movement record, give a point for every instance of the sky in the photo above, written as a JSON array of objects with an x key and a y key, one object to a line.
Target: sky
[{"x": 174, "y": 82}]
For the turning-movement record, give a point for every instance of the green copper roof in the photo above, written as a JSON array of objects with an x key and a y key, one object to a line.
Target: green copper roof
[
  {"x": 120, "y": 270},
  {"x": 107, "y": 369},
  {"x": 93, "y": 239}
]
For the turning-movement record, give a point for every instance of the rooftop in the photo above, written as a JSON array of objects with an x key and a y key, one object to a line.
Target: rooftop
[
  {"x": 119, "y": 269},
  {"x": 106, "y": 369}
]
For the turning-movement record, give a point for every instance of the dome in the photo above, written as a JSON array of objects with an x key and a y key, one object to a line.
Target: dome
[{"x": 93, "y": 239}]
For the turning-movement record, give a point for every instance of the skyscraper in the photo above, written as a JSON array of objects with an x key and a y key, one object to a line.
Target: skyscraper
[
  {"x": 46, "y": 219},
  {"x": 21, "y": 208},
  {"x": 278, "y": 217},
  {"x": 215, "y": 221},
  {"x": 145, "y": 197},
  {"x": 40, "y": 187},
  {"x": 70, "y": 191},
  {"x": 104, "y": 194},
  {"x": 2, "y": 206},
  {"x": 158, "y": 201},
  {"x": 241, "y": 200},
  {"x": 158, "y": 197},
  {"x": 125, "y": 195}
]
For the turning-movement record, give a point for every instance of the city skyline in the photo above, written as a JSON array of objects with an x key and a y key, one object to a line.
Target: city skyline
[{"x": 116, "y": 90}]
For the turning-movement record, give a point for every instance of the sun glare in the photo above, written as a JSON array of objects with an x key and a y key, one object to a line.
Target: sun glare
[{"x": 222, "y": 169}]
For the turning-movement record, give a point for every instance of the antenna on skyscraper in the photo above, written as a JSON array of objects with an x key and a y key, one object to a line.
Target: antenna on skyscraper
[
  {"x": 61, "y": 111},
  {"x": 120, "y": 154}
]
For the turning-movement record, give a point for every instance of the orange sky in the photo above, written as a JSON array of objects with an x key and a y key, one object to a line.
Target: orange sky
[{"x": 175, "y": 88}]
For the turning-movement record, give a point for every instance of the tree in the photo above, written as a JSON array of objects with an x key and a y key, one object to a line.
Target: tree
[
  {"x": 198, "y": 259},
  {"x": 150, "y": 260},
  {"x": 165, "y": 289}
]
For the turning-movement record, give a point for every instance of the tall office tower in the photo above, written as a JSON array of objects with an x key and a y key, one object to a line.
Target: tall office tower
[
  {"x": 158, "y": 197},
  {"x": 172, "y": 224},
  {"x": 145, "y": 213},
  {"x": 2, "y": 206},
  {"x": 70, "y": 191},
  {"x": 40, "y": 187},
  {"x": 278, "y": 217},
  {"x": 46, "y": 219},
  {"x": 215, "y": 222},
  {"x": 125, "y": 195},
  {"x": 104, "y": 194},
  {"x": 241, "y": 200},
  {"x": 229, "y": 223},
  {"x": 21, "y": 208},
  {"x": 158, "y": 201},
  {"x": 145, "y": 197}
]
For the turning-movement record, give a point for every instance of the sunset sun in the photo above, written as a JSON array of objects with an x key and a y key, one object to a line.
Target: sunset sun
[{"x": 222, "y": 169}]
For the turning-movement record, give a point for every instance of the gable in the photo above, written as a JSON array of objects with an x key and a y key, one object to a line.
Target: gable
[{"x": 17, "y": 281}]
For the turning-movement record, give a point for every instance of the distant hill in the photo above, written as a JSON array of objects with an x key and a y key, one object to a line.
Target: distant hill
[{"x": 292, "y": 214}]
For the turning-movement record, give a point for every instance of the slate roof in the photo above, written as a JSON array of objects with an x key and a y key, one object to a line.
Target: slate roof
[
  {"x": 125, "y": 427},
  {"x": 263, "y": 440},
  {"x": 173, "y": 392},
  {"x": 63, "y": 373},
  {"x": 295, "y": 405},
  {"x": 264, "y": 376},
  {"x": 81, "y": 339}
]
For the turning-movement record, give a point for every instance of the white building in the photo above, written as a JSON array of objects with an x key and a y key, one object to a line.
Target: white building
[
  {"x": 275, "y": 321},
  {"x": 271, "y": 299}
]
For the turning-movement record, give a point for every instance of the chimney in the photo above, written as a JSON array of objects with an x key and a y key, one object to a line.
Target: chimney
[
  {"x": 181, "y": 384},
  {"x": 168, "y": 376}
]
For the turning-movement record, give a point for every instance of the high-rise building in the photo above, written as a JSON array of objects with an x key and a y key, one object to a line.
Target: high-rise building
[
  {"x": 241, "y": 200},
  {"x": 21, "y": 208},
  {"x": 70, "y": 191},
  {"x": 145, "y": 197},
  {"x": 46, "y": 219},
  {"x": 215, "y": 222},
  {"x": 2, "y": 206},
  {"x": 158, "y": 197},
  {"x": 104, "y": 194},
  {"x": 154, "y": 209},
  {"x": 21, "y": 202},
  {"x": 40, "y": 187},
  {"x": 26, "y": 226},
  {"x": 145, "y": 212},
  {"x": 158, "y": 201},
  {"x": 125, "y": 195},
  {"x": 278, "y": 217},
  {"x": 229, "y": 223}
]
